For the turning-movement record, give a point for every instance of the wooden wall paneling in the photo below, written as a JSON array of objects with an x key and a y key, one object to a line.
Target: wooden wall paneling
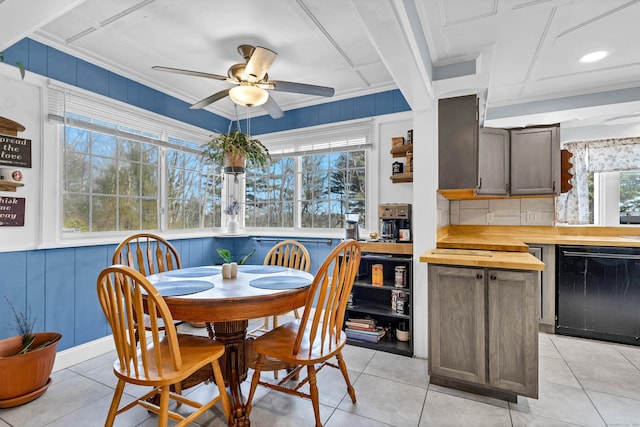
[
  {"x": 89, "y": 321},
  {"x": 60, "y": 271},
  {"x": 35, "y": 278}
]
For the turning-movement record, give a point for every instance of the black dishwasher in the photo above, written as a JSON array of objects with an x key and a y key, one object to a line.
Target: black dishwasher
[{"x": 598, "y": 293}]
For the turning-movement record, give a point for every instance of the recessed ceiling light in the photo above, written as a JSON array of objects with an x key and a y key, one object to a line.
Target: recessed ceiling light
[{"x": 594, "y": 56}]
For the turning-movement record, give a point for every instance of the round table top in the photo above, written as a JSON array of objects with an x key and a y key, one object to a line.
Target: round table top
[{"x": 232, "y": 299}]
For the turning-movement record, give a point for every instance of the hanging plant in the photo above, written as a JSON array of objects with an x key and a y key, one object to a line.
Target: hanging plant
[{"x": 234, "y": 150}]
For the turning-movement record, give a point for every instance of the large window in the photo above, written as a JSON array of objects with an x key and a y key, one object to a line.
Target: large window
[
  {"x": 110, "y": 183},
  {"x": 606, "y": 183},
  {"x": 316, "y": 176},
  {"x": 113, "y": 183},
  {"x": 616, "y": 198},
  {"x": 307, "y": 191}
]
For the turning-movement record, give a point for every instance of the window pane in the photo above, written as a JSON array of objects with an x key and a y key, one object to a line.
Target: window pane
[
  {"x": 76, "y": 172},
  {"x": 103, "y": 171},
  {"x": 76, "y": 212},
  {"x": 629, "y": 197},
  {"x": 150, "y": 219},
  {"x": 103, "y": 213},
  {"x": 129, "y": 150},
  {"x": 194, "y": 192},
  {"x": 150, "y": 180},
  {"x": 128, "y": 214},
  {"x": 103, "y": 145},
  {"x": 113, "y": 183}
]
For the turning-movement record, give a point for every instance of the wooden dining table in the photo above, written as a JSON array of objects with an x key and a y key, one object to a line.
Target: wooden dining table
[{"x": 201, "y": 294}]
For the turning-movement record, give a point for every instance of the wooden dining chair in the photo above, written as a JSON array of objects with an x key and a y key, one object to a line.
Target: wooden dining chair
[
  {"x": 291, "y": 254},
  {"x": 148, "y": 254},
  {"x": 317, "y": 336},
  {"x": 156, "y": 360}
]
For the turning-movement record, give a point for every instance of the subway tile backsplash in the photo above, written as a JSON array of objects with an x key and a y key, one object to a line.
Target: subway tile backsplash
[{"x": 530, "y": 211}]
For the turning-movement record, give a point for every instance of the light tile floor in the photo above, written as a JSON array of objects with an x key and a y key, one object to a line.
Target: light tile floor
[{"x": 582, "y": 383}]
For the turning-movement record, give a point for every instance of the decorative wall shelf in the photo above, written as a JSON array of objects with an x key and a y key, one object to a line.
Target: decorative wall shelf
[
  {"x": 402, "y": 177},
  {"x": 401, "y": 150},
  {"x": 9, "y": 185}
]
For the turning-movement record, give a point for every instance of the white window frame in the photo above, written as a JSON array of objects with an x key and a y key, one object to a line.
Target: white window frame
[
  {"x": 62, "y": 98},
  {"x": 316, "y": 140}
]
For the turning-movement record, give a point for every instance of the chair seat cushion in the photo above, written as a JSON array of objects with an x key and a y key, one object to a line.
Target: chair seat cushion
[
  {"x": 195, "y": 351},
  {"x": 279, "y": 342}
]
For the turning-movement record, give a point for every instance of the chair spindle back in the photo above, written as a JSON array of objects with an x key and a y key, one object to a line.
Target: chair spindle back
[
  {"x": 123, "y": 294},
  {"x": 289, "y": 253},
  {"x": 147, "y": 253},
  {"x": 331, "y": 286}
]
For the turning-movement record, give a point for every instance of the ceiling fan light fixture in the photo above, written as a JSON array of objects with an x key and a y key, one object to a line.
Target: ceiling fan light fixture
[{"x": 248, "y": 95}]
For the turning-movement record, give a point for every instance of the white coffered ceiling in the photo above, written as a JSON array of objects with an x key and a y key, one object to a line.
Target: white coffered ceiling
[{"x": 526, "y": 51}]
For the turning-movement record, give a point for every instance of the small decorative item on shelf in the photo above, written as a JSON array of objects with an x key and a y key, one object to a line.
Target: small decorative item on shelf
[
  {"x": 397, "y": 141},
  {"x": 376, "y": 275},
  {"x": 397, "y": 168},
  {"x": 409, "y": 161},
  {"x": 409, "y": 137}
]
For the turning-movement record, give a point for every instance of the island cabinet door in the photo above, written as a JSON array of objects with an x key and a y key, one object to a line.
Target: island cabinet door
[
  {"x": 457, "y": 323},
  {"x": 513, "y": 331}
]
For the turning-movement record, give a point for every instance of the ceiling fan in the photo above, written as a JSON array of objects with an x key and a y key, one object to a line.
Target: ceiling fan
[{"x": 251, "y": 80}]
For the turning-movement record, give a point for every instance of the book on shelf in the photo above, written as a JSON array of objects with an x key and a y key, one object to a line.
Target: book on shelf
[
  {"x": 359, "y": 325},
  {"x": 370, "y": 336},
  {"x": 377, "y": 331},
  {"x": 362, "y": 322},
  {"x": 360, "y": 328}
]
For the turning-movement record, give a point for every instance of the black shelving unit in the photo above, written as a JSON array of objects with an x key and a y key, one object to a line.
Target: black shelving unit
[{"x": 374, "y": 301}]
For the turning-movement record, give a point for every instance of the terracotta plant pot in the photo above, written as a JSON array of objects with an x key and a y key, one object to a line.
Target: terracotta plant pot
[
  {"x": 25, "y": 377},
  {"x": 234, "y": 164}
]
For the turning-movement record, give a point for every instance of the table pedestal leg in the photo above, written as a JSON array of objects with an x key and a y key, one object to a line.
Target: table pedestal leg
[{"x": 234, "y": 368}]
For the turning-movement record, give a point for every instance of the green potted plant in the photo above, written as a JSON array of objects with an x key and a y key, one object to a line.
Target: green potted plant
[
  {"x": 26, "y": 362},
  {"x": 226, "y": 256},
  {"x": 234, "y": 150}
]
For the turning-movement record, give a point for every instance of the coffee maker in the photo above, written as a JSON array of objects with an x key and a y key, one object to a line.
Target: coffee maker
[{"x": 395, "y": 222}]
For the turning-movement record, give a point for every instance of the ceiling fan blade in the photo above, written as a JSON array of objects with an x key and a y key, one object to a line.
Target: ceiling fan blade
[
  {"x": 259, "y": 63},
  {"x": 210, "y": 99},
  {"x": 273, "y": 108},
  {"x": 304, "y": 88},
  {"x": 190, "y": 73}
]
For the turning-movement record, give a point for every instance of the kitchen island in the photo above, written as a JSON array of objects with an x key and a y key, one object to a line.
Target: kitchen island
[{"x": 483, "y": 326}]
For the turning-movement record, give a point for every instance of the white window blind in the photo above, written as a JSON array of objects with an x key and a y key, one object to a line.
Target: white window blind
[{"x": 117, "y": 118}]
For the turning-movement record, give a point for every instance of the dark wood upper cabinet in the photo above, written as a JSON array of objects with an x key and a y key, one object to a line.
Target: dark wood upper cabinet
[{"x": 458, "y": 142}]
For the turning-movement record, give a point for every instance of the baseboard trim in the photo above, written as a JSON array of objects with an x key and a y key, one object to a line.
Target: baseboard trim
[{"x": 80, "y": 353}]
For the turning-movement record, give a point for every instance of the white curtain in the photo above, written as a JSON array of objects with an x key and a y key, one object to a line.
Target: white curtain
[{"x": 607, "y": 155}]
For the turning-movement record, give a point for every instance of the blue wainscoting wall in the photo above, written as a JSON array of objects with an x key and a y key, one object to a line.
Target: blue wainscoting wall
[{"x": 58, "y": 285}]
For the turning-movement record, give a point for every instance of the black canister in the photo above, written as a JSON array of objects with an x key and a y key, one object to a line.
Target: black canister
[{"x": 396, "y": 168}]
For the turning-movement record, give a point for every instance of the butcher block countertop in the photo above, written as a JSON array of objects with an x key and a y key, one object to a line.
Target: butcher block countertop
[
  {"x": 517, "y": 238},
  {"x": 507, "y": 246},
  {"x": 481, "y": 258}
]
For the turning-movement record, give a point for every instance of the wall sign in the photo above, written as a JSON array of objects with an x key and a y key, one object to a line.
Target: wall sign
[
  {"x": 11, "y": 211},
  {"x": 15, "y": 151}
]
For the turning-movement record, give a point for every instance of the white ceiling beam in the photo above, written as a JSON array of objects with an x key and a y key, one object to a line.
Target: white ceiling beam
[
  {"x": 21, "y": 18},
  {"x": 390, "y": 32}
]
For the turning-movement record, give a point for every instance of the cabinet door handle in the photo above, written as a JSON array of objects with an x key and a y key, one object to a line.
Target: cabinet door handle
[
  {"x": 478, "y": 276},
  {"x": 493, "y": 277},
  {"x": 479, "y": 183},
  {"x": 554, "y": 187}
]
